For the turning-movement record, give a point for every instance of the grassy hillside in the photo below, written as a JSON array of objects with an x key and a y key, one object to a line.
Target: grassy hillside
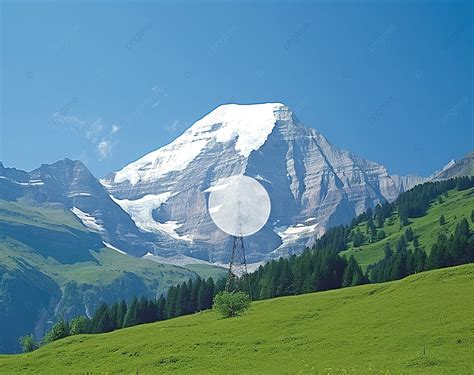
[
  {"x": 422, "y": 324},
  {"x": 207, "y": 270},
  {"x": 100, "y": 265},
  {"x": 51, "y": 265},
  {"x": 457, "y": 205}
]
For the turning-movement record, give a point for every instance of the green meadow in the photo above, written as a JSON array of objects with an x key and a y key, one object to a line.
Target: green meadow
[{"x": 422, "y": 324}]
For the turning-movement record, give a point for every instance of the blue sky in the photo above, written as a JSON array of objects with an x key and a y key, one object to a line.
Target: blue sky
[{"x": 107, "y": 82}]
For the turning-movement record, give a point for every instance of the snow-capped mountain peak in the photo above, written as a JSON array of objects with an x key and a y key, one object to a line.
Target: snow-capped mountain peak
[
  {"x": 312, "y": 184},
  {"x": 248, "y": 125}
]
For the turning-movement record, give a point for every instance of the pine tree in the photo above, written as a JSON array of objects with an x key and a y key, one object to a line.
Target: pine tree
[
  {"x": 348, "y": 273},
  {"x": 371, "y": 229},
  {"x": 379, "y": 216},
  {"x": 415, "y": 242},
  {"x": 142, "y": 308},
  {"x": 358, "y": 238},
  {"x": 283, "y": 278},
  {"x": 120, "y": 313},
  {"x": 205, "y": 295},
  {"x": 160, "y": 308},
  {"x": 113, "y": 314},
  {"x": 131, "y": 317},
  {"x": 404, "y": 220},
  {"x": 105, "y": 322},
  {"x": 442, "y": 220},
  {"x": 388, "y": 251},
  {"x": 401, "y": 244},
  {"x": 193, "y": 294},
  {"x": 358, "y": 277},
  {"x": 182, "y": 300},
  {"x": 420, "y": 260}
]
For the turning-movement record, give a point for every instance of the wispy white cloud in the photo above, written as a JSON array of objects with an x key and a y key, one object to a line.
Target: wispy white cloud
[
  {"x": 104, "y": 149},
  {"x": 60, "y": 118},
  {"x": 91, "y": 129},
  {"x": 115, "y": 129},
  {"x": 95, "y": 131}
]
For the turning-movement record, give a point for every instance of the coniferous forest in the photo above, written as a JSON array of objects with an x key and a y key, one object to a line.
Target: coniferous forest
[{"x": 316, "y": 269}]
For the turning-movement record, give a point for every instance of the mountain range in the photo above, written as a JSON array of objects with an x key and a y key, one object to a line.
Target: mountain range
[
  {"x": 157, "y": 206},
  {"x": 69, "y": 242},
  {"x": 312, "y": 184}
]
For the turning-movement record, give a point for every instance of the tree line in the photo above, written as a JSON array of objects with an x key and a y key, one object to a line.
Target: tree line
[
  {"x": 311, "y": 271},
  {"x": 416, "y": 201},
  {"x": 446, "y": 252},
  {"x": 186, "y": 298}
]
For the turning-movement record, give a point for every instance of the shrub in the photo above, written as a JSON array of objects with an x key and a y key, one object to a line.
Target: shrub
[
  {"x": 79, "y": 325},
  {"x": 28, "y": 343},
  {"x": 231, "y": 304},
  {"x": 59, "y": 331}
]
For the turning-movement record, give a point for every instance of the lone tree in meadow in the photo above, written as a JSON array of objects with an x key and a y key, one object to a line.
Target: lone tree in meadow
[
  {"x": 28, "y": 343},
  {"x": 231, "y": 304}
]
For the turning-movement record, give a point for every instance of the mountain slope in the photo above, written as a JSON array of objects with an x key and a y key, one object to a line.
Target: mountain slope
[
  {"x": 52, "y": 265},
  {"x": 312, "y": 184},
  {"x": 69, "y": 184},
  {"x": 455, "y": 206},
  {"x": 416, "y": 325},
  {"x": 463, "y": 167}
]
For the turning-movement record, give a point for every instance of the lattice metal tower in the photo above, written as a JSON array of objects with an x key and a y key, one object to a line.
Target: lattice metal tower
[
  {"x": 237, "y": 265},
  {"x": 239, "y": 206}
]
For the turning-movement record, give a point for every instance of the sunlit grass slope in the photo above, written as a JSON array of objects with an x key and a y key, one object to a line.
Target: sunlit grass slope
[
  {"x": 454, "y": 207},
  {"x": 422, "y": 324},
  {"x": 99, "y": 267}
]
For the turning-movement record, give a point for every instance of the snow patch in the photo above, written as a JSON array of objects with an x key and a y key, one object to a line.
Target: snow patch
[
  {"x": 294, "y": 233},
  {"x": 258, "y": 177},
  {"x": 184, "y": 260},
  {"x": 88, "y": 220},
  {"x": 250, "y": 124},
  {"x": 174, "y": 157},
  {"x": 114, "y": 248},
  {"x": 170, "y": 227},
  {"x": 215, "y": 209},
  {"x": 29, "y": 183},
  {"x": 70, "y": 195},
  {"x": 141, "y": 212},
  {"x": 216, "y": 187},
  {"x": 177, "y": 260}
]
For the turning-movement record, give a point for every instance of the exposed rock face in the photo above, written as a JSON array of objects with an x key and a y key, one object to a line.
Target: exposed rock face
[
  {"x": 69, "y": 184},
  {"x": 312, "y": 184},
  {"x": 463, "y": 167}
]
